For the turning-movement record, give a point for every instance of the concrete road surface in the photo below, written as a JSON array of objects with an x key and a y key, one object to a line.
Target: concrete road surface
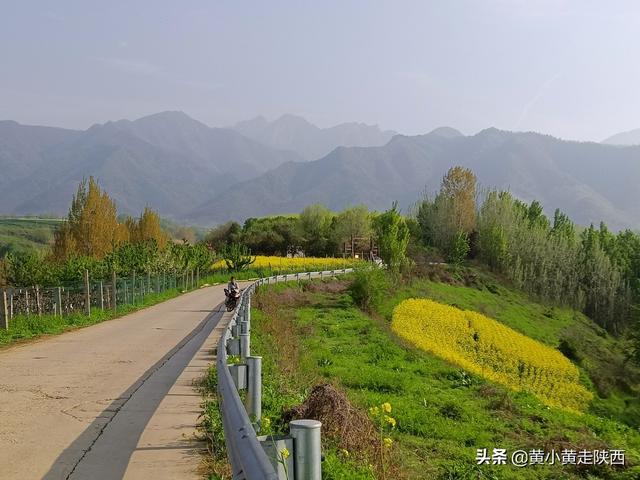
[{"x": 115, "y": 400}]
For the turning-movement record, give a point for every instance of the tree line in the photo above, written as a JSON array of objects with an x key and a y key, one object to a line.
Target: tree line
[
  {"x": 590, "y": 269},
  {"x": 94, "y": 238},
  {"x": 316, "y": 231}
]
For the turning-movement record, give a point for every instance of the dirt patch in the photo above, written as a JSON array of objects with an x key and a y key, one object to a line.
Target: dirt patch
[{"x": 335, "y": 287}]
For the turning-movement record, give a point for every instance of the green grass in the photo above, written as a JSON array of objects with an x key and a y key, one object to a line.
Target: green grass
[
  {"x": 600, "y": 357},
  {"x": 443, "y": 413},
  {"x": 23, "y": 327},
  {"x": 26, "y": 234}
]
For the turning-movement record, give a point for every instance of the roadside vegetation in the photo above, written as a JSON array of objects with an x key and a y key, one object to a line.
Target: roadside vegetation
[
  {"x": 442, "y": 413},
  {"x": 26, "y": 234}
]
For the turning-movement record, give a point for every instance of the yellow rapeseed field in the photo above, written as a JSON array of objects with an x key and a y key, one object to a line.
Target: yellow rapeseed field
[
  {"x": 488, "y": 348},
  {"x": 298, "y": 264}
]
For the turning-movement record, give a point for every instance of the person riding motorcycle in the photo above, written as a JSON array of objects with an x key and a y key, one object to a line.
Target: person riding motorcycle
[
  {"x": 232, "y": 286},
  {"x": 232, "y": 292}
]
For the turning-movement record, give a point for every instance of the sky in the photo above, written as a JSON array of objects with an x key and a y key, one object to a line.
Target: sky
[{"x": 566, "y": 68}]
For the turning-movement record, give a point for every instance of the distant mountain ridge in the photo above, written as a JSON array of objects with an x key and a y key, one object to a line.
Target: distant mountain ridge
[
  {"x": 589, "y": 181},
  {"x": 290, "y": 132},
  {"x": 189, "y": 171},
  {"x": 168, "y": 161},
  {"x": 632, "y": 137}
]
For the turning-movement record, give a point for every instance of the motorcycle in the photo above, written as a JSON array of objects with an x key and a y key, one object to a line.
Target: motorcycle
[{"x": 231, "y": 299}]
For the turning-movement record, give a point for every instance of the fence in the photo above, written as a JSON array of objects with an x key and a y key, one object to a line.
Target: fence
[
  {"x": 90, "y": 294},
  {"x": 253, "y": 457}
]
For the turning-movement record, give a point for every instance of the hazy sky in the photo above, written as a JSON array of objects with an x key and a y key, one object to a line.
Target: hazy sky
[{"x": 568, "y": 68}]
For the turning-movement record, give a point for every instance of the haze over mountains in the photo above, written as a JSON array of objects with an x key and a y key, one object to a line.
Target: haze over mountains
[
  {"x": 290, "y": 132},
  {"x": 194, "y": 173},
  {"x": 589, "y": 181},
  {"x": 168, "y": 161},
  {"x": 632, "y": 137}
]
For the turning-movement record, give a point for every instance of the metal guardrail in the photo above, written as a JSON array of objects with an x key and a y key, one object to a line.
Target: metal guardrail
[{"x": 247, "y": 455}]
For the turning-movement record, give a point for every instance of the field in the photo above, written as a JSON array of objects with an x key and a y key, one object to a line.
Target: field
[
  {"x": 24, "y": 234},
  {"x": 488, "y": 348},
  {"x": 443, "y": 413},
  {"x": 272, "y": 265}
]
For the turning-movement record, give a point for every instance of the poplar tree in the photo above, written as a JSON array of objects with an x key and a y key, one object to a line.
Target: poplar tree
[{"x": 92, "y": 227}]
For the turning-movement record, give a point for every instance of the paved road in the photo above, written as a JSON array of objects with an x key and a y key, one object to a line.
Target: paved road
[{"x": 110, "y": 401}]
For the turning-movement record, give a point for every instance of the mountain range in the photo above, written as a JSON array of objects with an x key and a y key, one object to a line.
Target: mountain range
[
  {"x": 589, "y": 181},
  {"x": 294, "y": 133},
  {"x": 168, "y": 160},
  {"x": 194, "y": 173},
  {"x": 632, "y": 137}
]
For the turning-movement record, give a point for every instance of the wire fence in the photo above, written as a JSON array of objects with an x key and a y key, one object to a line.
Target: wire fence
[{"x": 89, "y": 295}]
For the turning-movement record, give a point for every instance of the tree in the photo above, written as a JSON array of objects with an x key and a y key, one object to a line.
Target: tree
[
  {"x": 147, "y": 228},
  {"x": 92, "y": 227},
  {"x": 354, "y": 222},
  {"x": 459, "y": 191},
  {"x": 459, "y": 249},
  {"x": 25, "y": 269},
  {"x": 392, "y": 235},
  {"x": 315, "y": 224},
  {"x": 451, "y": 212},
  {"x": 272, "y": 235},
  {"x": 218, "y": 237},
  {"x": 237, "y": 257}
]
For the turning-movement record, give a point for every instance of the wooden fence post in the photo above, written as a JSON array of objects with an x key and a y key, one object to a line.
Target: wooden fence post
[
  {"x": 38, "y": 304},
  {"x": 133, "y": 288},
  {"x": 59, "y": 295},
  {"x": 87, "y": 293},
  {"x": 101, "y": 296},
  {"x": 4, "y": 311},
  {"x": 26, "y": 299},
  {"x": 114, "y": 291}
]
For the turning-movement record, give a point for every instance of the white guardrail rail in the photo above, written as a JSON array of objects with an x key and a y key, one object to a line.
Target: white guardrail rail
[{"x": 254, "y": 457}]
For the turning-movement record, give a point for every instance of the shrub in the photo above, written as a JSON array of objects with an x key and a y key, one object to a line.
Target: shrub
[{"x": 369, "y": 287}]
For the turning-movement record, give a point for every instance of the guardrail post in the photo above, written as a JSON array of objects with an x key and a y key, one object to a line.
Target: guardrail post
[
  {"x": 244, "y": 328},
  {"x": 306, "y": 449},
  {"x": 4, "y": 310},
  {"x": 245, "y": 346},
  {"x": 239, "y": 375},
  {"x": 253, "y": 400}
]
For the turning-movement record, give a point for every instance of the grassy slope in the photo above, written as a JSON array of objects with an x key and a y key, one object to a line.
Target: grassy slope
[
  {"x": 443, "y": 414},
  {"x": 598, "y": 355},
  {"x": 24, "y": 234}
]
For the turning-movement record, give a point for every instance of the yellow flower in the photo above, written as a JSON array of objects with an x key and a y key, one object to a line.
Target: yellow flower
[
  {"x": 344, "y": 452},
  {"x": 284, "y": 453},
  {"x": 386, "y": 406},
  {"x": 388, "y": 442},
  {"x": 390, "y": 420},
  {"x": 265, "y": 422},
  {"x": 488, "y": 348},
  {"x": 374, "y": 411},
  {"x": 300, "y": 264}
]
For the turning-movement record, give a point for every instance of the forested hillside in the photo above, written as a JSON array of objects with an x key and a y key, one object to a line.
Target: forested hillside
[{"x": 589, "y": 181}]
